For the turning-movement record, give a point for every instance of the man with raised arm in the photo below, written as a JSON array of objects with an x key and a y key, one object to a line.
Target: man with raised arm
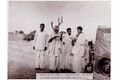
[{"x": 55, "y": 40}]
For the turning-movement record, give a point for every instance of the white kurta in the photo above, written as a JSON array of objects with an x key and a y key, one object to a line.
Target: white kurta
[
  {"x": 78, "y": 51},
  {"x": 66, "y": 58},
  {"x": 55, "y": 51},
  {"x": 40, "y": 42}
]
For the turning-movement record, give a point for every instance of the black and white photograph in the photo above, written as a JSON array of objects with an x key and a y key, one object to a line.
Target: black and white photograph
[{"x": 59, "y": 37}]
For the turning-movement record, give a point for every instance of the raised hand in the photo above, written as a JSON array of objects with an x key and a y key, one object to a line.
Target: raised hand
[
  {"x": 60, "y": 21},
  {"x": 52, "y": 25},
  {"x": 33, "y": 47}
]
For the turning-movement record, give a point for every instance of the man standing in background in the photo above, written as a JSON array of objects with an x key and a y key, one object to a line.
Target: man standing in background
[
  {"x": 78, "y": 51},
  {"x": 40, "y": 46},
  {"x": 66, "y": 57}
]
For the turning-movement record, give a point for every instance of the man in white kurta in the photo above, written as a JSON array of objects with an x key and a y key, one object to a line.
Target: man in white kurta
[
  {"x": 78, "y": 51},
  {"x": 55, "y": 49},
  {"x": 40, "y": 45},
  {"x": 66, "y": 58}
]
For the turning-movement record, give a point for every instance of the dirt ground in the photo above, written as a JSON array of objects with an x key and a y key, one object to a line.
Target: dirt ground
[{"x": 21, "y": 61}]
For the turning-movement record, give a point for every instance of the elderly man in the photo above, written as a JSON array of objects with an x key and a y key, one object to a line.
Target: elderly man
[
  {"x": 55, "y": 49},
  {"x": 78, "y": 51},
  {"x": 40, "y": 46}
]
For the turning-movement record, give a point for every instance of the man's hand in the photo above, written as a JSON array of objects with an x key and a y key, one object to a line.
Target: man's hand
[
  {"x": 45, "y": 48},
  {"x": 71, "y": 54},
  {"x": 83, "y": 57},
  {"x": 63, "y": 43},
  {"x": 33, "y": 47},
  {"x": 60, "y": 50}
]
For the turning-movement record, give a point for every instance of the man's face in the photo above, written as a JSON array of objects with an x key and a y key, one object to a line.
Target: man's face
[
  {"x": 69, "y": 32},
  {"x": 79, "y": 31},
  {"x": 41, "y": 27},
  {"x": 56, "y": 28}
]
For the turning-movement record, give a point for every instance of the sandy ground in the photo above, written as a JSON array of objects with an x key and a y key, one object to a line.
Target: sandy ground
[{"x": 21, "y": 61}]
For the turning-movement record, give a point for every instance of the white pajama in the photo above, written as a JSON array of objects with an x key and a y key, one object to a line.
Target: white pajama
[
  {"x": 54, "y": 62},
  {"x": 40, "y": 42},
  {"x": 55, "y": 51},
  {"x": 78, "y": 51},
  {"x": 66, "y": 61},
  {"x": 39, "y": 55}
]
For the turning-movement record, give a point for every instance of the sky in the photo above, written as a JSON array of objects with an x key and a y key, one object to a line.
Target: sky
[{"x": 27, "y": 15}]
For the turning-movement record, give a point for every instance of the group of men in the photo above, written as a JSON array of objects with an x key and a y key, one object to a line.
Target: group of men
[{"x": 65, "y": 50}]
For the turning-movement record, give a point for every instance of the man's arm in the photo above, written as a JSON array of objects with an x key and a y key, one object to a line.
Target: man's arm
[
  {"x": 51, "y": 39},
  {"x": 46, "y": 42},
  {"x": 35, "y": 38},
  {"x": 61, "y": 37}
]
